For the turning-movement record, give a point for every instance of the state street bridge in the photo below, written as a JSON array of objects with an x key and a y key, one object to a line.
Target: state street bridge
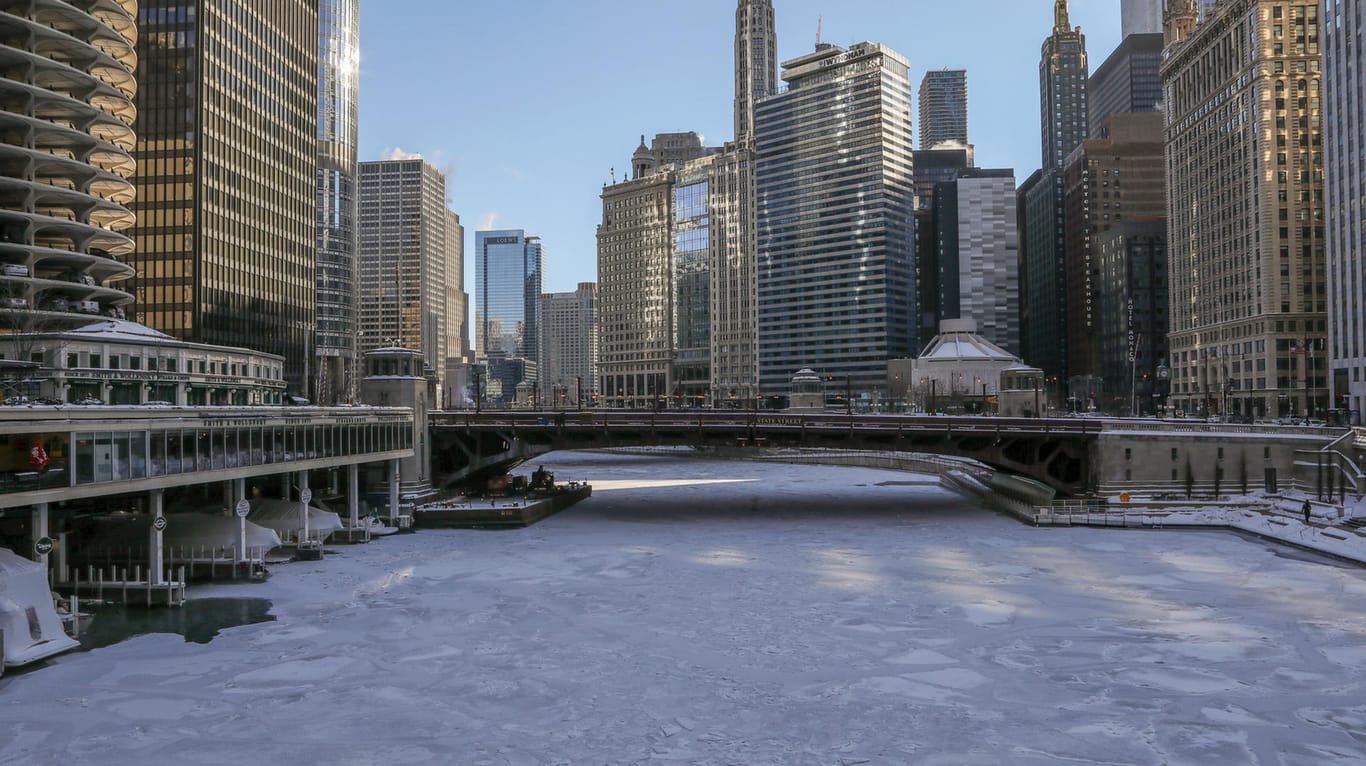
[
  {"x": 466, "y": 445},
  {"x": 1073, "y": 456}
]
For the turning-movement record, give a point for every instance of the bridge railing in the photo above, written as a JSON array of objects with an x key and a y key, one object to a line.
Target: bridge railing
[{"x": 774, "y": 420}]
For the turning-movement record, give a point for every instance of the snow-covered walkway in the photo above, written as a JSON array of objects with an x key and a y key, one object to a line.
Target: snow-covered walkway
[{"x": 743, "y": 613}]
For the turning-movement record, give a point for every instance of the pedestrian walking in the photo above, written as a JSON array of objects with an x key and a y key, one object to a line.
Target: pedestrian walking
[{"x": 1307, "y": 509}]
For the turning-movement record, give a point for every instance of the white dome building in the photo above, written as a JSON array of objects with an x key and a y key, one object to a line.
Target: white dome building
[{"x": 960, "y": 372}]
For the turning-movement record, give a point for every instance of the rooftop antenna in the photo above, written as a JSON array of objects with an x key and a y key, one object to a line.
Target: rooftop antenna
[
  {"x": 614, "y": 175},
  {"x": 818, "y": 31}
]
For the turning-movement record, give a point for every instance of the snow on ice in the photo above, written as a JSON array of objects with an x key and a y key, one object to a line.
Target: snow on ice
[{"x": 740, "y": 613}]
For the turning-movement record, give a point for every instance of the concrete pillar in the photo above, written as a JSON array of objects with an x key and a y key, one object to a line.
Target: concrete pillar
[
  {"x": 353, "y": 493},
  {"x": 228, "y": 495},
  {"x": 286, "y": 485},
  {"x": 239, "y": 491},
  {"x": 393, "y": 492},
  {"x": 156, "y": 559},
  {"x": 40, "y": 529},
  {"x": 305, "y": 495}
]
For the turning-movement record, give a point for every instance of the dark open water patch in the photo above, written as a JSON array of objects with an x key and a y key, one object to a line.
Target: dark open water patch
[{"x": 199, "y": 620}]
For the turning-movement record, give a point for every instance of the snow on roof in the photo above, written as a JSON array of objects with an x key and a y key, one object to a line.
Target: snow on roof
[
  {"x": 122, "y": 328},
  {"x": 966, "y": 346}
]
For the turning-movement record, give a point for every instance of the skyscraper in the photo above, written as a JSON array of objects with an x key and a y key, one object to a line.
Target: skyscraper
[
  {"x": 63, "y": 222},
  {"x": 932, "y": 168},
  {"x": 1063, "y": 125},
  {"x": 1247, "y": 261},
  {"x": 227, "y": 153},
  {"x": 692, "y": 284},
  {"x": 338, "y": 89},
  {"x": 1140, "y": 17},
  {"x": 569, "y": 346},
  {"x": 403, "y": 257},
  {"x": 635, "y": 290},
  {"x": 756, "y": 62},
  {"x": 1062, "y": 89},
  {"x": 943, "y": 107},
  {"x": 977, "y": 253},
  {"x": 836, "y": 269},
  {"x": 509, "y": 271},
  {"x": 455, "y": 391},
  {"x": 731, "y": 252},
  {"x": 1106, "y": 183},
  {"x": 1134, "y": 312},
  {"x": 1130, "y": 80},
  {"x": 1344, "y": 77}
]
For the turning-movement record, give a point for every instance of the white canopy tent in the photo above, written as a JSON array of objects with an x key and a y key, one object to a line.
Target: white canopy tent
[{"x": 29, "y": 623}]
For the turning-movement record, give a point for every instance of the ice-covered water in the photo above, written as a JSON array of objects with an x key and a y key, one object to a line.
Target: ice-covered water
[{"x": 739, "y": 613}]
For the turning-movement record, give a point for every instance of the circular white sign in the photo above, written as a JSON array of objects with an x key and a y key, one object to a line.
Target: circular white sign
[
  {"x": 243, "y": 508},
  {"x": 306, "y": 495},
  {"x": 159, "y": 523},
  {"x": 43, "y": 546}
]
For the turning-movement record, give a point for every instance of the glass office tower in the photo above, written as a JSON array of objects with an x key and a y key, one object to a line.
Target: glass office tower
[
  {"x": 508, "y": 293},
  {"x": 338, "y": 88},
  {"x": 227, "y": 152},
  {"x": 836, "y": 203}
]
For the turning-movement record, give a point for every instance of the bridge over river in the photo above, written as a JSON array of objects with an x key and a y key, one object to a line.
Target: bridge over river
[{"x": 1074, "y": 456}]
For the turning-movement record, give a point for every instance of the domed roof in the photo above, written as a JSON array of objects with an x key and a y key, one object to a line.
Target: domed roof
[
  {"x": 642, "y": 151},
  {"x": 122, "y": 328},
  {"x": 958, "y": 341}
]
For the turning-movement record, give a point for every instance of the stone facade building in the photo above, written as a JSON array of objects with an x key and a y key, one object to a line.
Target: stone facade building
[
  {"x": 1344, "y": 104},
  {"x": 569, "y": 347},
  {"x": 1247, "y": 262}
]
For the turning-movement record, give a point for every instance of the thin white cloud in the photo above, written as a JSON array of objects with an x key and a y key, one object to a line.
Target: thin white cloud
[
  {"x": 490, "y": 220},
  {"x": 397, "y": 153}
]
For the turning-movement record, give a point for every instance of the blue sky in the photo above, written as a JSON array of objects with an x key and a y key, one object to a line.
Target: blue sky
[{"x": 528, "y": 106}]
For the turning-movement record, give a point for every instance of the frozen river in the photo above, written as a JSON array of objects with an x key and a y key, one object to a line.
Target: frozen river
[{"x": 739, "y": 613}]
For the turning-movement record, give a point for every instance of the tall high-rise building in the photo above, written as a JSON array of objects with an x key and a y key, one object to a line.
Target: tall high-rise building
[
  {"x": 943, "y": 107},
  {"x": 227, "y": 157},
  {"x": 63, "y": 222},
  {"x": 403, "y": 256},
  {"x": 977, "y": 253},
  {"x": 635, "y": 291},
  {"x": 1344, "y": 110},
  {"x": 334, "y": 378},
  {"x": 1130, "y": 80},
  {"x": 569, "y": 346},
  {"x": 456, "y": 388},
  {"x": 1134, "y": 312},
  {"x": 756, "y": 62},
  {"x": 1063, "y": 125},
  {"x": 933, "y": 167},
  {"x": 1062, "y": 89},
  {"x": 1041, "y": 277},
  {"x": 836, "y": 262},
  {"x": 1140, "y": 17},
  {"x": 692, "y": 323},
  {"x": 1247, "y": 262},
  {"x": 731, "y": 248},
  {"x": 1106, "y": 182},
  {"x": 509, "y": 272}
]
